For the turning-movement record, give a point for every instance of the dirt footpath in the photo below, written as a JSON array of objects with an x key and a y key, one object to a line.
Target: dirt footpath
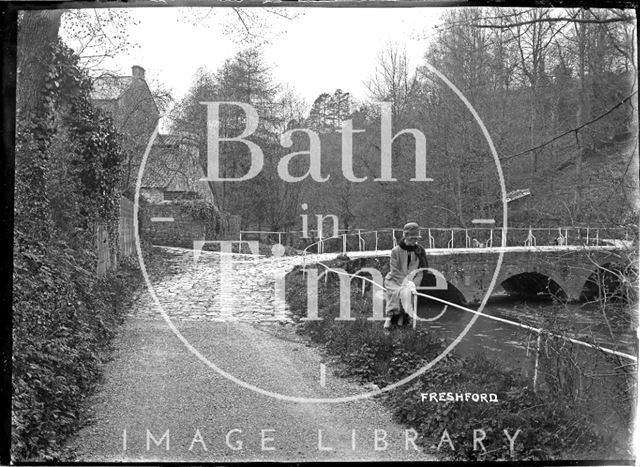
[{"x": 159, "y": 402}]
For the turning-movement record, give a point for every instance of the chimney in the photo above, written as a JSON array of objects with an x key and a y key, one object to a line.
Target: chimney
[{"x": 137, "y": 71}]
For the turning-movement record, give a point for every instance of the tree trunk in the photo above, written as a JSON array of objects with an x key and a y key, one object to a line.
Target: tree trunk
[
  {"x": 581, "y": 114},
  {"x": 37, "y": 34}
]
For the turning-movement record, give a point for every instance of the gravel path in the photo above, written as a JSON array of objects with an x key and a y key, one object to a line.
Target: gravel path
[{"x": 155, "y": 386}]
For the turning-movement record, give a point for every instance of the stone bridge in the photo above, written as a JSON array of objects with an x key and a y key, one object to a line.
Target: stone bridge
[
  {"x": 561, "y": 273},
  {"x": 527, "y": 271}
]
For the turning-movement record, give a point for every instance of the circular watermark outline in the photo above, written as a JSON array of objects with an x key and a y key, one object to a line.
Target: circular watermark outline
[{"x": 354, "y": 397}]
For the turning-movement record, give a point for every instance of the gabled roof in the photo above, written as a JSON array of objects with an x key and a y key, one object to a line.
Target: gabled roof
[
  {"x": 173, "y": 165},
  {"x": 110, "y": 87}
]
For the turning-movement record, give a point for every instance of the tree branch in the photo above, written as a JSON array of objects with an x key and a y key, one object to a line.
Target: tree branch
[
  {"x": 625, "y": 19},
  {"x": 555, "y": 138}
]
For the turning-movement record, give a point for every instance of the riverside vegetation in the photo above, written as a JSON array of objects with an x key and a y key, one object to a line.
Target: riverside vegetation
[{"x": 555, "y": 422}]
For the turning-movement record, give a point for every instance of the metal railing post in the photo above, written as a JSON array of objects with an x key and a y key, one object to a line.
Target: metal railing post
[{"x": 530, "y": 240}]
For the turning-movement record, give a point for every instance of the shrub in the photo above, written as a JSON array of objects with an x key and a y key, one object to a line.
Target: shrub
[{"x": 64, "y": 320}]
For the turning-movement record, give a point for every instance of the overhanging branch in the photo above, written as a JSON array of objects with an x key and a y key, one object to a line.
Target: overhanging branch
[{"x": 555, "y": 138}]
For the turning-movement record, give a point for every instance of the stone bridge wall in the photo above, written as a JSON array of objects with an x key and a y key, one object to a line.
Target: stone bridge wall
[{"x": 472, "y": 273}]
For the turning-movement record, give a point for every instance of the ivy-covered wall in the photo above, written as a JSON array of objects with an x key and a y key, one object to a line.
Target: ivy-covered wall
[
  {"x": 69, "y": 162},
  {"x": 192, "y": 220}
]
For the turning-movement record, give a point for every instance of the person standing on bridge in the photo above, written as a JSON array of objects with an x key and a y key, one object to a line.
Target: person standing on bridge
[{"x": 405, "y": 258}]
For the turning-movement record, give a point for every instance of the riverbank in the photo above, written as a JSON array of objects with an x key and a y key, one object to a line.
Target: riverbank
[{"x": 556, "y": 422}]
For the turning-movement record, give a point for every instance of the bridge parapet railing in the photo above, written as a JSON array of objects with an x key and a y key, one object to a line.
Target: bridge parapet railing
[
  {"x": 438, "y": 237},
  {"x": 483, "y": 237},
  {"x": 568, "y": 235},
  {"x": 293, "y": 238}
]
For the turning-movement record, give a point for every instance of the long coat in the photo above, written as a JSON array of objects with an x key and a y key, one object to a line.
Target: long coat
[{"x": 401, "y": 263}]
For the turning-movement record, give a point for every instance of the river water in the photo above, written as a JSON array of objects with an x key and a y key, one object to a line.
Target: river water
[{"x": 516, "y": 346}]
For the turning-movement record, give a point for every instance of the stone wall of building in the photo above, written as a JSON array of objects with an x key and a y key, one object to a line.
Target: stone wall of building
[{"x": 181, "y": 231}]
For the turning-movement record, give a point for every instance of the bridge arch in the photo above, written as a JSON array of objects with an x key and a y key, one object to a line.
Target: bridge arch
[
  {"x": 529, "y": 280},
  {"x": 531, "y": 284},
  {"x": 451, "y": 294}
]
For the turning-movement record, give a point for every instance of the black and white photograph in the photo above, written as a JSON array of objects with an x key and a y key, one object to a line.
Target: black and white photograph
[{"x": 322, "y": 231}]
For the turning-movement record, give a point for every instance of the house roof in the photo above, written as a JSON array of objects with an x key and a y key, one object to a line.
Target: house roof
[
  {"x": 110, "y": 87},
  {"x": 174, "y": 167}
]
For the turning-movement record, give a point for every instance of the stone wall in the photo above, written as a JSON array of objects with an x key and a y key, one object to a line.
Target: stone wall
[{"x": 181, "y": 231}]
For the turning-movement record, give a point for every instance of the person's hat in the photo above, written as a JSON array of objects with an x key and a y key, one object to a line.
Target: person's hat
[{"x": 411, "y": 230}]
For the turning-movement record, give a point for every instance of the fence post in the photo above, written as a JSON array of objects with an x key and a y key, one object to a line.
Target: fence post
[
  {"x": 344, "y": 244},
  {"x": 103, "y": 249}
]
